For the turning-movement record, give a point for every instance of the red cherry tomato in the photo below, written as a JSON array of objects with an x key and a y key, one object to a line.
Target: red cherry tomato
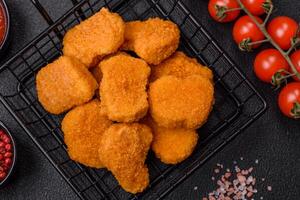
[
  {"x": 289, "y": 99},
  {"x": 267, "y": 63},
  {"x": 244, "y": 28},
  {"x": 282, "y": 29},
  {"x": 255, "y": 6},
  {"x": 295, "y": 57},
  {"x": 227, "y": 4}
]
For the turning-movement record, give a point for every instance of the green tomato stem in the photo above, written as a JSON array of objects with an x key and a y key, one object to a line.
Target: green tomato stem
[
  {"x": 269, "y": 14},
  {"x": 232, "y": 9},
  {"x": 259, "y": 42}
]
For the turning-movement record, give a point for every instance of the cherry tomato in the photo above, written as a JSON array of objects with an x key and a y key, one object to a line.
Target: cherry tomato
[
  {"x": 244, "y": 28},
  {"x": 267, "y": 63},
  {"x": 295, "y": 57},
  {"x": 282, "y": 29},
  {"x": 256, "y": 7},
  {"x": 226, "y": 4},
  {"x": 289, "y": 99}
]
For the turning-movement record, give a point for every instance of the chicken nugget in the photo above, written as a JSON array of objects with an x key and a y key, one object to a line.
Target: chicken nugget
[
  {"x": 123, "y": 151},
  {"x": 181, "y": 103},
  {"x": 153, "y": 40},
  {"x": 123, "y": 87},
  {"x": 172, "y": 146},
  {"x": 63, "y": 84},
  {"x": 97, "y": 36},
  {"x": 83, "y": 129},
  {"x": 181, "y": 66}
]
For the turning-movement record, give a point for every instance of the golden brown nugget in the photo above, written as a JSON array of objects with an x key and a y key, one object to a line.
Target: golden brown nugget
[
  {"x": 181, "y": 66},
  {"x": 123, "y": 87},
  {"x": 123, "y": 151},
  {"x": 153, "y": 40},
  {"x": 172, "y": 146},
  {"x": 92, "y": 39},
  {"x": 63, "y": 84},
  {"x": 83, "y": 128},
  {"x": 181, "y": 103}
]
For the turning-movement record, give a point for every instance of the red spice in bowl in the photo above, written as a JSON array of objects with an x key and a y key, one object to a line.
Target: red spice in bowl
[
  {"x": 7, "y": 154},
  {"x": 2, "y": 24}
]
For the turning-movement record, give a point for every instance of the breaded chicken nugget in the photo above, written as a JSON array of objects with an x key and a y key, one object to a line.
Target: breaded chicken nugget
[
  {"x": 181, "y": 66},
  {"x": 123, "y": 87},
  {"x": 181, "y": 103},
  {"x": 123, "y": 150},
  {"x": 172, "y": 146},
  {"x": 99, "y": 35},
  {"x": 63, "y": 84},
  {"x": 83, "y": 128},
  {"x": 153, "y": 40}
]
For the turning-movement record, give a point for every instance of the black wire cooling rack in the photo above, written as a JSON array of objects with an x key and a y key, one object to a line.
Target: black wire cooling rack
[{"x": 237, "y": 103}]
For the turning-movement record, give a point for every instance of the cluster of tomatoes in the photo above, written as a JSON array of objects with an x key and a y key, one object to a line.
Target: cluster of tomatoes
[{"x": 270, "y": 65}]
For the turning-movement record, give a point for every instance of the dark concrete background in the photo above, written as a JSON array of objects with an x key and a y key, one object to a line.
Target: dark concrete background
[{"x": 273, "y": 139}]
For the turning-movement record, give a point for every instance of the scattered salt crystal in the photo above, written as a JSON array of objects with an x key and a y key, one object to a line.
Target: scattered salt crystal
[
  {"x": 261, "y": 197},
  {"x": 250, "y": 188},
  {"x": 249, "y": 194},
  {"x": 250, "y": 169},
  {"x": 242, "y": 179},
  {"x": 254, "y": 181},
  {"x": 237, "y": 184},
  {"x": 227, "y": 175},
  {"x": 237, "y": 169},
  {"x": 245, "y": 172},
  {"x": 269, "y": 188},
  {"x": 195, "y": 188},
  {"x": 263, "y": 179},
  {"x": 249, "y": 180}
]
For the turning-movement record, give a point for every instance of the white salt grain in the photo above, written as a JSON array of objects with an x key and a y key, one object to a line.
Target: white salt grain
[{"x": 269, "y": 188}]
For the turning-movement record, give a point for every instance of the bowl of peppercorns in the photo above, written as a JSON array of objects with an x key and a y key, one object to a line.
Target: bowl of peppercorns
[{"x": 7, "y": 154}]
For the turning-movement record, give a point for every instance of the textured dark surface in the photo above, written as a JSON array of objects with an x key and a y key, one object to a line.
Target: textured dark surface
[{"x": 272, "y": 139}]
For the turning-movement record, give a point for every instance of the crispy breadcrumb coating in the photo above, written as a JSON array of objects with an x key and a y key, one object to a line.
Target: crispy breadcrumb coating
[
  {"x": 172, "y": 145},
  {"x": 123, "y": 151},
  {"x": 95, "y": 37},
  {"x": 153, "y": 40},
  {"x": 181, "y": 66},
  {"x": 123, "y": 87},
  {"x": 181, "y": 103},
  {"x": 83, "y": 128},
  {"x": 63, "y": 84}
]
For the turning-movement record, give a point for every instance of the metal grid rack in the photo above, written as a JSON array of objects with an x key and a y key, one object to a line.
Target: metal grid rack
[{"x": 237, "y": 103}]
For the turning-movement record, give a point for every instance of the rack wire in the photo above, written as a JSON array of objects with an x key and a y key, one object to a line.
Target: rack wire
[{"x": 237, "y": 102}]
